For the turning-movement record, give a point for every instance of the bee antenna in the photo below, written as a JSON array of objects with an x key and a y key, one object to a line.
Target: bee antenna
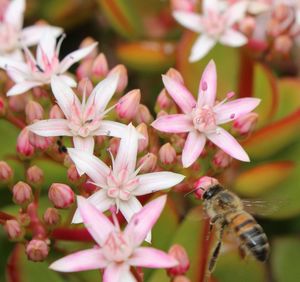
[{"x": 194, "y": 190}]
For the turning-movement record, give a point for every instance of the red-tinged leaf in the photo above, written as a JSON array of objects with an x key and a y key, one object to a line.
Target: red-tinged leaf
[
  {"x": 147, "y": 56},
  {"x": 269, "y": 140},
  {"x": 261, "y": 179}
]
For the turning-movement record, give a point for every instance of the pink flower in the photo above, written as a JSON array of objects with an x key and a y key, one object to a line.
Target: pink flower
[
  {"x": 116, "y": 251},
  {"x": 83, "y": 120},
  {"x": 201, "y": 119},
  {"x": 215, "y": 25},
  {"x": 121, "y": 184}
]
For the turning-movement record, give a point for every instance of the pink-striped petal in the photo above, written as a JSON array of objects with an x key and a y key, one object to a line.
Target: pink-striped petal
[
  {"x": 193, "y": 147},
  {"x": 80, "y": 261},
  {"x": 201, "y": 47},
  {"x": 14, "y": 13},
  {"x": 228, "y": 144},
  {"x": 233, "y": 38},
  {"x": 151, "y": 258},
  {"x": 46, "y": 50},
  {"x": 208, "y": 85},
  {"x": 177, "y": 123},
  {"x": 234, "y": 109},
  {"x": 182, "y": 97},
  {"x": 115, "y": 272},
  {"x": 95, "y": 221},
  {"x": 51, "y": 127},
  {"x": 22, "y": 87},
  {"x": 142, "y": 222},
  {"x": 130, "y": 207},
  {"x": 189, "y": 20},
  {"x": 85, "y": 144},
  {"x": 92, "y": 166},
  {"x": 156, "y": 181},
  {"x": 236, "y": 12},
  {"x": 111, "y": 128}
]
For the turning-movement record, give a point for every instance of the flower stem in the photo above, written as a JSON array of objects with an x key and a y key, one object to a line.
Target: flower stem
[
  {"x": 71, "y": 234},
  {"x": 15, "y": 121}
]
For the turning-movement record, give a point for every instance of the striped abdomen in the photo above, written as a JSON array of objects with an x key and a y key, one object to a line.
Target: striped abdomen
[{"x": 250, "y": 233}]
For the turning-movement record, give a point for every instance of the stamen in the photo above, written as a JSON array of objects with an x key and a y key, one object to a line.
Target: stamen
[
  {"x": 58, "y": 46},
  {"x": 114, "y": 217},
  {"x": 112, "y": 158},
  {"x": 109, "y": 109}
]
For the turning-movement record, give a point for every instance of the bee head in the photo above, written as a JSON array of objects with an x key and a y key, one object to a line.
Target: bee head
[{"x": 204, "y": 184}]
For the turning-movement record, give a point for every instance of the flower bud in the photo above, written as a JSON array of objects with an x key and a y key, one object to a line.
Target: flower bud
[
  {"x": 184, "y": 5},
  {"x": 40, "y": 142},
  {"x": 56, "y": 112},
  {"x": 37, "y": 250},
  {"x": 202, "y": 184},
  {"x": 72, "y": 174},
  {"x": 123, "y": 79},
  {"x": 247, "y": 25},
  {"x": 143, "y": 115},
  {"x": 22, "y": 193},
  {"x": 39, "y": 92},
  {"x": 85, "y": 85},
  {"x": 114, "y": 144},
  {"x": 2, "y": 107},
  {"x": 61, "y": 195},
  {"x": 179, "y": 253},
  {"x": 147, "y": 163},
  {"x": 163, "y": 101},
  {"x": 100, "y": 66},
  {"x": 84, "y": 69},
  {"x": 34, "y": 175},
  {"x": 128, "y": 105},
  {"x": 100, "y": 139},
  {"x": 51, "y": 216},
  {"x": 143, "y": 142},
  {"x": 245, "y": 124},
  {"x": 13, "y": 229},
  {"x": 34, "y": 111},
  {"x": 283, "y": 44},
  {"x": 221, "y": 159},
  {"x": 24, "y": 147},
  {"x": 175, "y": 74},
  {"x": 87, "y": 42},
  {"x": 167, "y": 154},
  {"x": 6, "y": 172},
  {"x": 17, "y": 103},
  {"x": 161, "y": 114}
]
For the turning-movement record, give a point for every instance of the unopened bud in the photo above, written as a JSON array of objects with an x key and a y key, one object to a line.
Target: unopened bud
[
  {"x": 34, "y": 175},
  {"x": 161, "y": 114},
  {"x": 100, "y": 66},
  {"x": 61, "y": 195},
  {"x": 34, "y": 111},
  {"x": 143, "y": 142},
  {"x": 17, "y": 103},
  {"x": 202, "y": 184},
  {"x": 147, "y": 163},
  {"x": 283, "y": 44},
  {"x": 37, "y": 250},
  {"x": 13, "y": 229},
  {"x": 24, "y": 146},
  {"x": 143, "y": 115},
  {"x": 114, "y": 144},
  {"x": 184, "y": 5},
  {"x": 51, "y": 216},
  {"x": 123, "y": 77},
  {"x": 85, "y": 85},
  {"x": 40, "y": 142},
  {"x": 179, "y": 253},
  {"x": 281, "y": 12},
  {"x": 87, "y": 42},
  {"x": 167, "y": 154},
  {"x": 22, "y": 193},
  {"x": 163, "y": 101},
  {"x": 72, "y": 174},
  {"x": 84, "y": 69},
  {"x": 128, "y": 105},
  {"x": 6, "y": 172},
  {"x": 39, "y": 92},
  {"x": 56, "y": 112},
  {"x": 2, "y": 107},
  {"x": 245, "y": 124},
  {"x": 247, "y": 25},
  {"x": 175, "y": 74},
  {"x": 99, "y": 140},
  {"x": 221, "y": 159}
]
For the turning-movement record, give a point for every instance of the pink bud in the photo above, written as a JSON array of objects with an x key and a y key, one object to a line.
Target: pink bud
[
  {"x": 163, "y": 101},
  {"x": 161, "y": 114},
  {"x": 147, "y": 163},
  {"x": 283, "y": 44},
  {"x": 85, "y": 85},
  {"x": 84, "y": 69},
  {"x": 24, "y": 147},
  {"x": 128, "y": 105},
  {"x": 87, "y": 42},
  {"x": 202, "y": 184},
  {"x": 247, "y": 25},
  {"x": 2, "y": 107},
  {"x": 99, "y": 140},
  {"x": 17, "y": 103},
  {"x": 123, "y": 79},
  {"x": 73, "y": 175},
  {"x": 114, "y": 144},
  {"x": 175, "y": 74},
  {"x": 51, "y": 216},
  {"x": 100, "y": 66},
  {"x": 221, "y": 159},
  {"x": 56, "y": 112},
  {"x": 61, "y": 195},
  {"x": 22, "y": 193},
  {"x": 179, "y": 253},
  {"x": 143, "y": 115},
  {"x": 37, "y": 250},
  {"x": 167, "y": 154},
  {"x": 34, "y": 111},
  {"x": 184, "y": 5},
  {"x": 245, "y": 124},
  {"x": 13, "y": 229},
  {"x": 143, "y": 142},
  {"x": 39, "y": 92},
  {"x": 6, "y": 172},
  {"x": 40, "y": 142},
  {"x": 34, "y": 175}
]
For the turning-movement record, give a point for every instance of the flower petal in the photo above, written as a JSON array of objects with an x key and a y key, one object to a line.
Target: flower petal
[
  {"x": 201, "y": 47},
  {"x": 233, "y": 38},
  {"x": 10, "y": 64},
  {"x": 69, "y": 80},
  {"x": 85, "y": 144},
  {"x": 22, "y": 87},
  {"x": 182, "y": 97},
  {"x": 75, "y": 56},
  {"x": 95, "y": 221},
  {"x": 211, "y": 5},
  {"x": 116, "y": 273},
  {"x": 111, "y": 128},
  {"x": 193, "y": 147},
  {"x": 130, "y": 207},
  {"x": 151, "y": 258},
  {"x": 14, "y": 13},
  {"x": 92, "y": 166},
  {"x": 142, "y": 222},
  {"x": 228, "y": 144},
  {"x": 80, "y": 261},
  {"x": 189, "y": 20},
  {"x": 208, "y": 85},
  {"x": 232, "y": 110},
  {"x": 46, "y": 50},
  {"x": 156, "y": 181},
  {"x": 51, "y": 127},
  {"x": 236, "y": 12},
  {"x": 177, "y": 123}
]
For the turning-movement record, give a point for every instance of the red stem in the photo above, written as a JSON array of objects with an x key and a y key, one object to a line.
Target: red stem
[
  {"x": 71, "y": 234},
  {"x": 5, "y": 216},
  {"x": 245, "y": 86},
  {"x": 12, "y": 267},
  {"x": 16, "y": 121},
  {"x": 36, "y": 226}
]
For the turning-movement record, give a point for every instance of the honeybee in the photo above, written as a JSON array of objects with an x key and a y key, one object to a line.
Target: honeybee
[{"x": 226, "y": 210}]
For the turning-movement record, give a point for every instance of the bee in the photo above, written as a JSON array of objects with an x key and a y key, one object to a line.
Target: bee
[
  {"x": 226, "y": 210},
  {"x": 61, "y": 147}
]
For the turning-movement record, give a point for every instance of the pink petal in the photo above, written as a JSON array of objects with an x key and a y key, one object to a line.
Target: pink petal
[
  {"x": 189, "y": 20},
  {"x": 177, "y": 123},
  {"x": 151, "y": 258},
  {"x": 22, "y": 87},
  {"x": 116, "y": 273},
  {"x": 85, "y": 144},
  {"x": 213, "y": 5},
  {"x": 233, "y": 38},
  {"x": 182, "y": 97},
  {"x": 75, "y": 56},
  {"x": 228, "y": 144},
  {"x": 80, "y": 261},
  {"x": 208, "y": 85},
  {"x": 232, "y": 110},
  {"x": 14, "y": 13},
  {"x": 142, "y": 222},
  {"x": 193, "y": 147},
  {"x": 95, "y": 221},
  {"x": 46, "y": 50},
  {"x": 111, "y": 128},
  {"x": 236, "y": 12},
  {"x": 92, "y": 166},
  {"x": 156, "y": 181},
  {"x": 201, "y": 47},
  {"x": 51, "y": 127}
]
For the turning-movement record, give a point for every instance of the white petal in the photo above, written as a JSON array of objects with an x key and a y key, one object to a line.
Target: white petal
[
  {"x": 213, "y": 5},
  {"x": 117, "y": 273},
  {"x": 20, "y": 67},
  {"x": 46, "y": 47},
  {"x": 189, "y": 20},
  {"x": 22, "y": 87},
  {"x": 69, "y": 80},
  {"x": 15, "y": 13},
  {"x": 111, "y": 128},
  {"x": 233, "y": 38},
  {"x": 201, "y": 47},
  {"x": 85, "y": 144},
  {"x": 236, "y": 12},
  {"x": 51, "y": 127},
  {"x": 130, "y": 207}
]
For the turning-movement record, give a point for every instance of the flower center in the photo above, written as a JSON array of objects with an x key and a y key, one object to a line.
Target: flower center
[
  {"x": 214, "y": 23},
  {"x": 204, "y": 119},
  {"x": 8, "y": 38}
]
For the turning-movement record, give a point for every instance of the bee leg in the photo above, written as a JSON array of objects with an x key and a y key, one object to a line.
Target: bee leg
[
  {"x": 211, "y": 225},
  {"x": 242, "y": 252}
]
